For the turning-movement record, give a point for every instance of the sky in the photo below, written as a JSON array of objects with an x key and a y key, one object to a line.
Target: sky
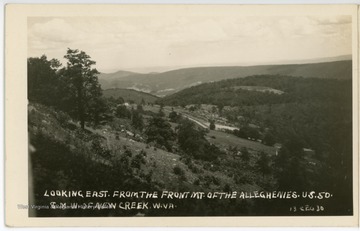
[{"x": 158, "y": 43}]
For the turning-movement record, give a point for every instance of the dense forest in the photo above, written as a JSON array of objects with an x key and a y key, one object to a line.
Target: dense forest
[
  {"x": 82, "y": 140},
  {"x": 295, "y": 90}
]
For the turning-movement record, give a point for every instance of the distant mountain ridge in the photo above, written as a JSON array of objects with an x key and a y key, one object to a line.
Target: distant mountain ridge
[
  {"x": 117, "y": 74},
  {"x": 166, "y": 83},
  {"x": 130, "y": 95},
  {"x": 316, "y": 60}
]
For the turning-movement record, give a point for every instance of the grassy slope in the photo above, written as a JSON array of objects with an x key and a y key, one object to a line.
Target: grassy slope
[
  {"x": 43, "y": 119},
  {"x": 223, "y": 139},
  {"x": 161, "y": 163}
]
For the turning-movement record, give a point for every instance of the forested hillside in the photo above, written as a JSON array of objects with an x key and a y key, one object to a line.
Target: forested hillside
[
  {"x": 309, "y": 112},
  {"x": 232, "y": 92}
]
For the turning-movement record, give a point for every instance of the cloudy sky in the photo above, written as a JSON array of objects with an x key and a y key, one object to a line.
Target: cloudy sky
[{"x": 159, "y": 43}]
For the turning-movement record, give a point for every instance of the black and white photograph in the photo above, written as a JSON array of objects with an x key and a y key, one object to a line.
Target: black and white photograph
[{"x": 190, "y": 111}]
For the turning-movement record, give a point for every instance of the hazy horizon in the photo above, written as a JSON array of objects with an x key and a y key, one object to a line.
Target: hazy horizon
[{"x": 147, "y": 70}]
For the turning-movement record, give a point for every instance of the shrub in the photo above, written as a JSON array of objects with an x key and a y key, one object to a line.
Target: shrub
[
  {"x": 227, "y": 188},
  {"x": 215, "y": 180},
  {"x": 137, "y": 161},
  {"x": 212, "y": 125},
  {"x": 143, "y": 153},
  {"x": 180, "y": 172},
  {"x": 197, "y": 182},
  {"x": 99, "y": 149},
  {"x": 62, "y": 117},
  {"x": 128, "y": 153}
]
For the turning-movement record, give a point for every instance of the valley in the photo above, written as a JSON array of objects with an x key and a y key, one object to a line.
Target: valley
[{"x": 234, "y": 132}]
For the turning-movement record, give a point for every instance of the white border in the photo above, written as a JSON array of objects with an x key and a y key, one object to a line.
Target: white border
[{"x": 200, "y": 2}]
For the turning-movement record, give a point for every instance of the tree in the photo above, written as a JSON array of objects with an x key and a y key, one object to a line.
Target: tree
[
  {"x": 120, "y": 100},
  {"x": 180, "y": 172},
  {"x": 139, "y": 108},
  {"x": 82, "y": 83},
  {"x": 269, "y": 139},
  {"x": 192, "y": 108},
  {"x": 173, "y": 116},
  {"x": 137, "y": 161},
  {"x": 263, "y": 164},
  {"x": 290, "y": 166},
  {"x": 97, "y": 108},
  {"x": 213, "y": 109},
  {"x": 193, "y": 142},
  {"x": 160, "y": 131},
  {"x": 189, "y": 138},
  {"x": 245, "y": 155},
  {"x": 137, "y": 119},
  {"x": 122, "y": 112},
  {"x": 247, "y": 132},
  {"x": 161, "y": 112},
  {"x": 220, "y": 107},
  {"x": 212, "y": 125},
  {"x": 43, "y": 82}
]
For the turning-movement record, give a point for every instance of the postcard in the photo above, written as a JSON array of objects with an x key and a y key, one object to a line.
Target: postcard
[{"x": 181, "y": 115}]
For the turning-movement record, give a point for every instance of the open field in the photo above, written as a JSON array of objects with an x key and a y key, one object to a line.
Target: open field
[{"x": 225, "y": 140}]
